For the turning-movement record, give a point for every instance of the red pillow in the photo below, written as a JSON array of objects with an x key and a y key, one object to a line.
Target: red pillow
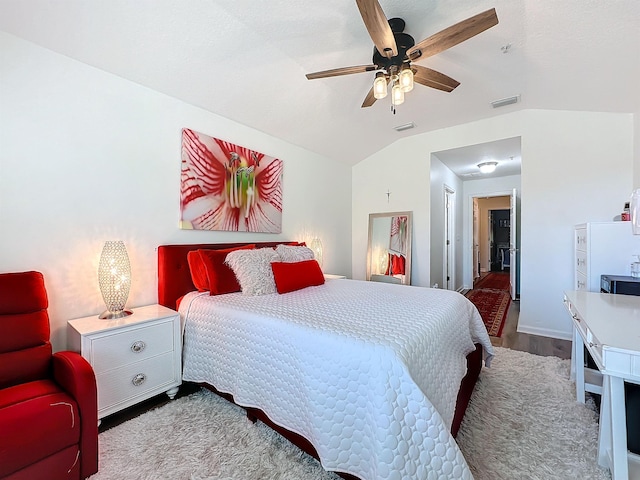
[
  {"x": 290, "y": 277},
  {"x": 198, "y": 271},
  {"x": 220, "y": 277}
]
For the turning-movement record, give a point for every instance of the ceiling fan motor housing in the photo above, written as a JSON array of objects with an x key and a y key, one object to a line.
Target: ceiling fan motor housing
[{"x": 404, "y": 42}]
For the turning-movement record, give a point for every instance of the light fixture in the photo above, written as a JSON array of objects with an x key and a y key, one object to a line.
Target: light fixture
[
  {"x": 487, "y": 167},
  {"x": 380, "y": 86},
  {"x": 397, "y": 95},
  {"x": 405, "y": 78},
  {"x": 316, "y": 247},
  {"x": 114, "y": 278}
]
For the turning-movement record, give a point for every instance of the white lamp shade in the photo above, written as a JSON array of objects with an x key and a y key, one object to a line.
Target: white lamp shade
[
  {"x": 316, "y": 247},
  {"x": 397, "y": 95},
  {"x": 405, "y": 79},
  {"x": 380, "y": 86},
  {"x": 114, "y": 278}
]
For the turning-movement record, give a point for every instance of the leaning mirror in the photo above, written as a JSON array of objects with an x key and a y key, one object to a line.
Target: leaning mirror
[{"x": 389, "y": 250}]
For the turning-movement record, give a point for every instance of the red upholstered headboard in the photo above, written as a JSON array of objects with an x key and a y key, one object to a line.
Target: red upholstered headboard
[{"x": 174, "y": 278}]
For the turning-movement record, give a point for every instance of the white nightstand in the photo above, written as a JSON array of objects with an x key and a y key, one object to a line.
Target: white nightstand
[
  {"x": 134, "y": 358},
  {"x": 330, "y": 276}
]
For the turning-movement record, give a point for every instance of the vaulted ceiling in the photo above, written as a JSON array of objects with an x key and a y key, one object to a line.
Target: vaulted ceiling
[{"x": 246, "y": 59}]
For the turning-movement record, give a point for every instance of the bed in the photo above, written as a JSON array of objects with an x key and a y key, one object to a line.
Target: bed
[{"x": 327, "y": 368}]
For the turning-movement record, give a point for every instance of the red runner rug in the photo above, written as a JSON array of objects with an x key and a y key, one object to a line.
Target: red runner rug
[
  {"x": 495, "y": 280},
  {"x": 493, "y": 306}
]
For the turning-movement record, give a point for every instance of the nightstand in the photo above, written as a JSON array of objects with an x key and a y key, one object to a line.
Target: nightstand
[
  {"x": 134, "y": 358},
  {"x": 329, "y": 276}
]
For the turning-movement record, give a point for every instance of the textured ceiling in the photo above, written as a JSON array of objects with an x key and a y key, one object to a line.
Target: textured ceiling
[{"x": 246, "y": 59}]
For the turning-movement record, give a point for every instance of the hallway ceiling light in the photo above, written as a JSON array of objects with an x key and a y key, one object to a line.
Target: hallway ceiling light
[{"x": 487, "y": 167}]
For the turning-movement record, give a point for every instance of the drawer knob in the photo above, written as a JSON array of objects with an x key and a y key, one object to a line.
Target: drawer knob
[
  {"x": 139, "y": 379},
  {"x": 138, "y": 346},
  {"x": 575, "y": 317}
]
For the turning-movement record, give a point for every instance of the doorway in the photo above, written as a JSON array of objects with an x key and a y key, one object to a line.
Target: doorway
[{"x": 494, "y": 243}]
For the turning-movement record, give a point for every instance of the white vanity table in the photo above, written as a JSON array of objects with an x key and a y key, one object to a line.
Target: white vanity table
[{"x": 609, "y": 327}]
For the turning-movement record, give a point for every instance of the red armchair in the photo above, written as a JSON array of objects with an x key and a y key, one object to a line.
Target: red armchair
[{"x": 48, "y": 402}]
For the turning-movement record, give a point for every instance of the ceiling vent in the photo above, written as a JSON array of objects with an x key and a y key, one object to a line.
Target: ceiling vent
[
  {"x": 406, "y": 126},
  {"x": 505, "y": 101}
]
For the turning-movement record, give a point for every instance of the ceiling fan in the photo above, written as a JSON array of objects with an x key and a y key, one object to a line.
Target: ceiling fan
[{"x": 394, "y": 51}]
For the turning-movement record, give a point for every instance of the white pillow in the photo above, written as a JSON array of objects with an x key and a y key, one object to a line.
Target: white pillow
[
  {"x": 253, "y": 270},
  {"x": 291, "y": 254}
]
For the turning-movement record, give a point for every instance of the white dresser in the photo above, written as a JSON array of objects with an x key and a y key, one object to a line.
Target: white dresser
[
  {"x": 602, "y": 248},
  {"x": 134, "y": 358}
]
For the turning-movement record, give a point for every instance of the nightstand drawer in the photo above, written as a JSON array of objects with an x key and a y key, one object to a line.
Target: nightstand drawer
[
  {"x": 117, "y": 349},
  {"x": 123, "y": 384}
]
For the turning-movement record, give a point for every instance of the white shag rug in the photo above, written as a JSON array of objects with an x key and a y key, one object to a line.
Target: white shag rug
[{"x": 522, "y": 423}]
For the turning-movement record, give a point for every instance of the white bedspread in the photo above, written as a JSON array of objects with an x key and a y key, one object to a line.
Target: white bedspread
[{"x": 367, "y": 372}]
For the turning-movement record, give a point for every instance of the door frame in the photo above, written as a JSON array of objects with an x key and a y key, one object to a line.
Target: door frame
[
  {"x": 449, "y": 244},
  {"x": 512, "y": 193}
]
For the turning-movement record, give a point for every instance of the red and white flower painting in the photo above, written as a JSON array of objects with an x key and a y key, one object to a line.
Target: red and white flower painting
[{"x": 227, "y": 187}]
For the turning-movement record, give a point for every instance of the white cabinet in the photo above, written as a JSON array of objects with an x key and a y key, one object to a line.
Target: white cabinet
[
  {"x": 602, "y": 248},
  {"x": 134, "y": 358}
]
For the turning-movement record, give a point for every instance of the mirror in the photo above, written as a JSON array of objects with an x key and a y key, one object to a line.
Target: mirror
[{"x": 389, "y": 250}]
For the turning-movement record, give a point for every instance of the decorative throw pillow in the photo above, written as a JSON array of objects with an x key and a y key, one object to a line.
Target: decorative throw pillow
[
  {"x": 198, "y": 271},
  {"x": 289, "y": 253},
  {"x": 220, "y": 277},
  {"x": 296, "y": 276},
  {"x": 253, "y": 270}
]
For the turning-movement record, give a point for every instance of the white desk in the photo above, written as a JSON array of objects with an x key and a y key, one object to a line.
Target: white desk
[{"x": 609, "y": 326}]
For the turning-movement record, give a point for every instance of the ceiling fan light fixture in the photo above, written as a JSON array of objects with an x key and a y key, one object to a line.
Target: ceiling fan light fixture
[
  {"x": 380, "y": 86},
  {"x": 406, "y": 78},
  {"x": 397, "y": 95},
  {"x": 487, "y": 167}
]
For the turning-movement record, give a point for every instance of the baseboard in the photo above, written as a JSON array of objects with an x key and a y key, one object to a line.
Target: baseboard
[{"x": 544, "y": 332}]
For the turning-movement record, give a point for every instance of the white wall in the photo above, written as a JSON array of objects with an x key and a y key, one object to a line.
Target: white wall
[
  {"x": 87, "y": 157},
  {"x": 576, "y": 167},
  {"x": 440, "y": 176}
]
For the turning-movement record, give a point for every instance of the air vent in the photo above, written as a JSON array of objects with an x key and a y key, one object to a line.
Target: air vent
[
  {"x": 505, "y": 101},
  {"x": 406, "y": 126}
]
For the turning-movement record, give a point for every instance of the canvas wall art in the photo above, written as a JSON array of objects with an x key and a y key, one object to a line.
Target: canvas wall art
[{"x": 228, "y": 187}]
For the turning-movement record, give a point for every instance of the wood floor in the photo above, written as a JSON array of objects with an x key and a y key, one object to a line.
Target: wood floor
[
  {"x": 524, "y": 342},
  {"x": 536, "y": 344}
]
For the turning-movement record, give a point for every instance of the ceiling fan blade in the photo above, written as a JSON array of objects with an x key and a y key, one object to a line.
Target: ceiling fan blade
[
  {"x": 453, "y": 35},
  {"x": 369, "y": 99},
  {"x": 336, "y": 72},
  {"x": 378, "y": 27},
  {"x": 430, "y": 78}
]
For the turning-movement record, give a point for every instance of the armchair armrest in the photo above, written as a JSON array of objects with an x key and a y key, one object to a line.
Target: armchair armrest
[{"x": 75, "y": 375}]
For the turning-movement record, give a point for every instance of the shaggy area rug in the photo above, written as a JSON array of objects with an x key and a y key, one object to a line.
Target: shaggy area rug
[
  {"x": 523, "y": 423},
  {"x": 493, "y": 306}
]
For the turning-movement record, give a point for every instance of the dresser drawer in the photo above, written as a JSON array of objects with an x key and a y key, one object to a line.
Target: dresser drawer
[
  {"x": 581, "y": 261},
  {"x": 581, "y": 281},
  {"x": 134, "y": 380},
  {"x": 581, "y": 239},
  {"x": 124, "y": 347}
]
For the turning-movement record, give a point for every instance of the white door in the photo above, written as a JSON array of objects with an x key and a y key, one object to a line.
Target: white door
[
  {"x": 476, "y": 239},
  {"x": 512, "y": 243},
  {"x": 449, "y": 266}
]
